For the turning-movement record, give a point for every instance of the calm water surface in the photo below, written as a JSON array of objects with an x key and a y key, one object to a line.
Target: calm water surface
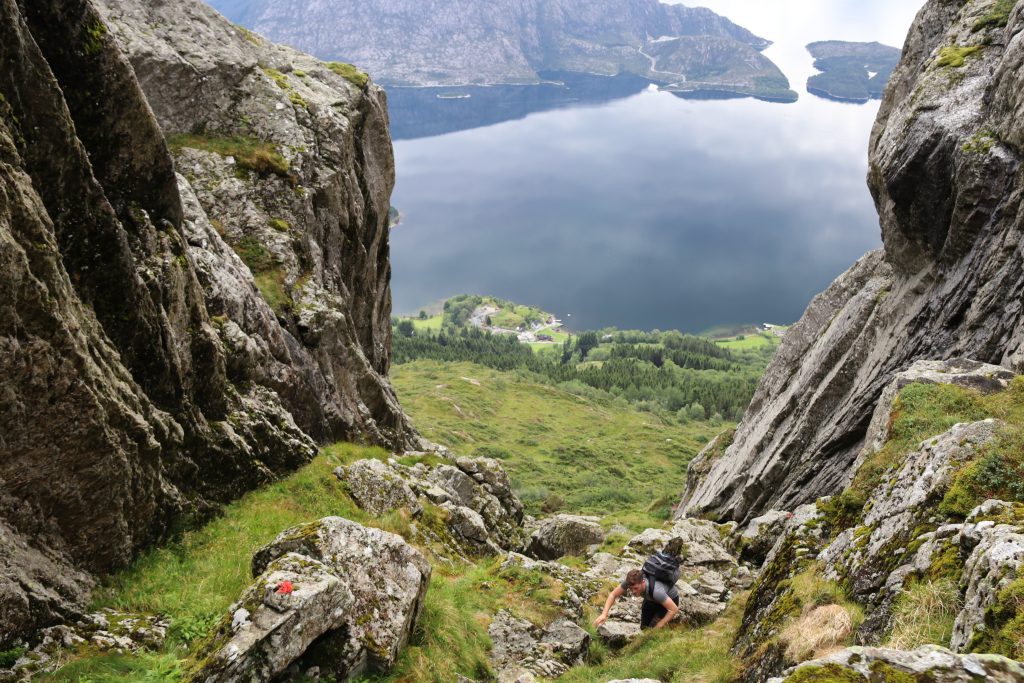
[{"x": 617, "y": 204}]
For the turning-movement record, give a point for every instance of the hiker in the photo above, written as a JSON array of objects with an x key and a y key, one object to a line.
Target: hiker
[{"x": 656, "y": 582}]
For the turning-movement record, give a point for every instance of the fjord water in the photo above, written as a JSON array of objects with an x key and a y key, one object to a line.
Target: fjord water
[{"x": 641, "y": 209}]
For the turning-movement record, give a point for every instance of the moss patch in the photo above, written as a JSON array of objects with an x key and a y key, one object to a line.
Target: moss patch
[
  {"x": 349, "y": 73},
  {"x": 1004, "y": 624},
  {"x": 997, "y": 17},
  {"x": 981, "y": 142},
  {"x": 826, "y": 673},
  {"x": 95, "y": 37},
  {"x": 955, "y": 56}
]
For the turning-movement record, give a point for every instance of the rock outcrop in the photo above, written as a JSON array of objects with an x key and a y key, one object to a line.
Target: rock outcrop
[
  {"x": 483, "y": 515},
  {"x": 909, "y": 541},
  {"x": 928, "y": 663},
  {"x": 944, "y": 173},
  {"x": 547, "y": 651},
  {"x": 331, "y": 595},
  {"x": 146, "y": 376}
]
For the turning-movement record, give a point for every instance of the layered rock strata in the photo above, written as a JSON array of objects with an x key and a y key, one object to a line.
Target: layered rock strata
[
  {"x": 875, "y": 561},
  {"x": 946, "y": 179}
]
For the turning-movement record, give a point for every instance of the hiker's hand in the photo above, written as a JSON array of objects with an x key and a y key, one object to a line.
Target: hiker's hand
[{"x": 600, "y": 620}]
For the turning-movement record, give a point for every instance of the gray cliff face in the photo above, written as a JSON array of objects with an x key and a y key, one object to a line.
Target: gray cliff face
[
  {"x": 946, "y": 178},
  {"x": 144, "y": 378},
  {"x": 314, "y": 235},
  {"x": 411, "y": 42}
]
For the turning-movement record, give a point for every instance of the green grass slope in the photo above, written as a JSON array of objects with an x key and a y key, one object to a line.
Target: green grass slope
[{"x": 590, "y": 454}]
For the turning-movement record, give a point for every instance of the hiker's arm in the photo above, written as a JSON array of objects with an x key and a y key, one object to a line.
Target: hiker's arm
[
  {"x": 612, "y": 597},
  {"x": 671, "y": 608}
]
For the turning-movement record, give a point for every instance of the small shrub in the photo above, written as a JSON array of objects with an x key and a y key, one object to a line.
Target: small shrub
[
  {"x": 191, "y": 627},
  {"x": 997, "y": 472},
  {"x": 553, "y": 503},
  {"x": 280, "y": 224},
  {"x": 9, "y": 657},
  {"x": 492, "y": 452}
]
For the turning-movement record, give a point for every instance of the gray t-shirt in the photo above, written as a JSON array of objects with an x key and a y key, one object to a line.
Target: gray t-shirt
[{"x": 660, "y": 592}]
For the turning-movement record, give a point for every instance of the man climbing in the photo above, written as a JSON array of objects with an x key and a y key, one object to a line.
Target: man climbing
[{"x": 656, "y": 582}]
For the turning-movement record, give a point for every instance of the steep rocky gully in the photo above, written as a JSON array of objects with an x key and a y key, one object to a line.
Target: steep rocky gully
[{"x": 193, "y": 240}]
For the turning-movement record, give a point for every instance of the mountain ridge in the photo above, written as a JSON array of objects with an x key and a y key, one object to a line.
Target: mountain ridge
[{"x": 468, "y": 42}]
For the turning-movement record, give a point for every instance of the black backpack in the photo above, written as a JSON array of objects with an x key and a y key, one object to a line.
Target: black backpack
[{"x": 662, "y": 567}]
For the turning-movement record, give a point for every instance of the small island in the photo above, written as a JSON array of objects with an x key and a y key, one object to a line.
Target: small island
[{"x": 851, "y": 72}]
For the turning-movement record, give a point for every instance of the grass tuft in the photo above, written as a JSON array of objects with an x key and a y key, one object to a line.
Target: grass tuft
[{"x": 249, "y": 153}]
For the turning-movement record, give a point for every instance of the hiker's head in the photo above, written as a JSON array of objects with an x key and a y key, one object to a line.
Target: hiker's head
[{"x": 635, "y": 581}]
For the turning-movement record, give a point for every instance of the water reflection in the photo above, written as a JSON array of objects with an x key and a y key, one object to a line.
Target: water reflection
[
  {"x": 423, "y": 112},
  {"x": 636, "y": 208}
]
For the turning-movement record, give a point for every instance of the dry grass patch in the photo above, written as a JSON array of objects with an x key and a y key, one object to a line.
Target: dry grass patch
[
  {"x": 817, "y": 632},
  {"x": 924, "y": 614}
]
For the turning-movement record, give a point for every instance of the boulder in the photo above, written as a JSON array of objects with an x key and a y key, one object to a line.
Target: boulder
[
  {"x": 520, "y": 647},
  {"x": 929, "y": 663},
  {"x": 469, "y": 526},
  {"x": 387, "y": 577},
  {"x": 484, "y": 515},
  {"x": 516, "y": 675},
  {"x": 566, "y": 640},
  {"x": 702, "y": 543},
  {"x": 377, "y": 488},
  {"x": 564, "y": 535},
  {"x": 457, "y": 483},
  {"x": 295, "y": 601},
  {"x": 617, "y": 633}
]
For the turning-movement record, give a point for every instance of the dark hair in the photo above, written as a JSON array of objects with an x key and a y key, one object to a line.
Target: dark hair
[{"x": 634, "y": 577}]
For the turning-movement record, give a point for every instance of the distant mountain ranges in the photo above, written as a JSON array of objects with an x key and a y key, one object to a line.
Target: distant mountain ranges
[{"x": 689, "y": 51}]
